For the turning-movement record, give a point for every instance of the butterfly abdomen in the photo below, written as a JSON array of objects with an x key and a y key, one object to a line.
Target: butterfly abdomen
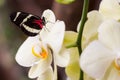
[{"x": 28, "y": 23}]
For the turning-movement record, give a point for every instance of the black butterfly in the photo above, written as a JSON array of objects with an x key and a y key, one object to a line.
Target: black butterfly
[{"x": 28, "y": 23}]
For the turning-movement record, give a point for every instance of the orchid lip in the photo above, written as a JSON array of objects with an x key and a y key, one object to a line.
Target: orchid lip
[{"x": 42, "y": 53}]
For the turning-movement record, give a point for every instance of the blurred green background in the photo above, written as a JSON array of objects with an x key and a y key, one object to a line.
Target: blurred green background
[{"x": 11, "y": 37}]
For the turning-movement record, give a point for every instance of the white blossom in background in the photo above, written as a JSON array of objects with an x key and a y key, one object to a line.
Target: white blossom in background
[
  {"x": 103, "y": 53},
  {"x": 107, "y": 10}
]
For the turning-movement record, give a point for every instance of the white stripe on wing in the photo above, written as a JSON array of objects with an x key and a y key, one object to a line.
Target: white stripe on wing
[
  {"x": 32, "y": 30},
  {"x": 18, "y": 13}
]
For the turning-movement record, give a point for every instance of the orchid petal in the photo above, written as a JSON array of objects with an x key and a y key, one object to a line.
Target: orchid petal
[
  {"x": 44, "y": 33},
  {"x": 55, "y": 71},
  {"x": 73, "y": 69},
  {"x": 63, "y": 57},
  {"x": 87, "y": 77},
  {"x": 47, "y": 75},
  {"x": 55, "y": 36},
  {"x": 24, "y": 56},
  {"x": 96, "y": 59},
  {"x": 49, "y": 16},
  {"x": 40, "y": 67},
  {"x": 110, "y": 9},
  {"x": 91, "y": 26},
  {"x": 114, "y": 74},
  {"x": 118, "y": 1},
  {"x": 109, "y": 34}
]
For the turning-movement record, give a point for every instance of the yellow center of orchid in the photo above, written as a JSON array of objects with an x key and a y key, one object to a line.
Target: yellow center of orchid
[
  {"x": 39, "y": 52},
  {"x": 117, "y": 63}
]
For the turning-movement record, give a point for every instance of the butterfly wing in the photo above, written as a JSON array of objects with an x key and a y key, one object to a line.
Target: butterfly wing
[{"x": 26, "y": 22}]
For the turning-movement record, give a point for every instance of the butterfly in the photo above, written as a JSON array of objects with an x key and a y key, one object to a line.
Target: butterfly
[{"x": 28, "y": 23}]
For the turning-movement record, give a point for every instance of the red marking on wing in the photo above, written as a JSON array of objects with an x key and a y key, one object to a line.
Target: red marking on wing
[{"x": 38, "y": 22}]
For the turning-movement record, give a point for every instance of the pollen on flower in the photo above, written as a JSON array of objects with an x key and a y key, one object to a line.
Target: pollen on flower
[
  {"x": 39, "y": 52},
  {"x": 44, "y": 53}
]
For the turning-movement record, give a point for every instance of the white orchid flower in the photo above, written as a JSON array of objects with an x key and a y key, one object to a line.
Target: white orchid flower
[
  {"x": 100, "y": 54},
  {"x": 95, "y": 19},
  {"x": 38, "y": 52},
  {"x": 107, "y": 10}
]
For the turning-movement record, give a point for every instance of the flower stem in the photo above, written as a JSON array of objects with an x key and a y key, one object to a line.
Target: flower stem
[{"x": 79, "y": 39}]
